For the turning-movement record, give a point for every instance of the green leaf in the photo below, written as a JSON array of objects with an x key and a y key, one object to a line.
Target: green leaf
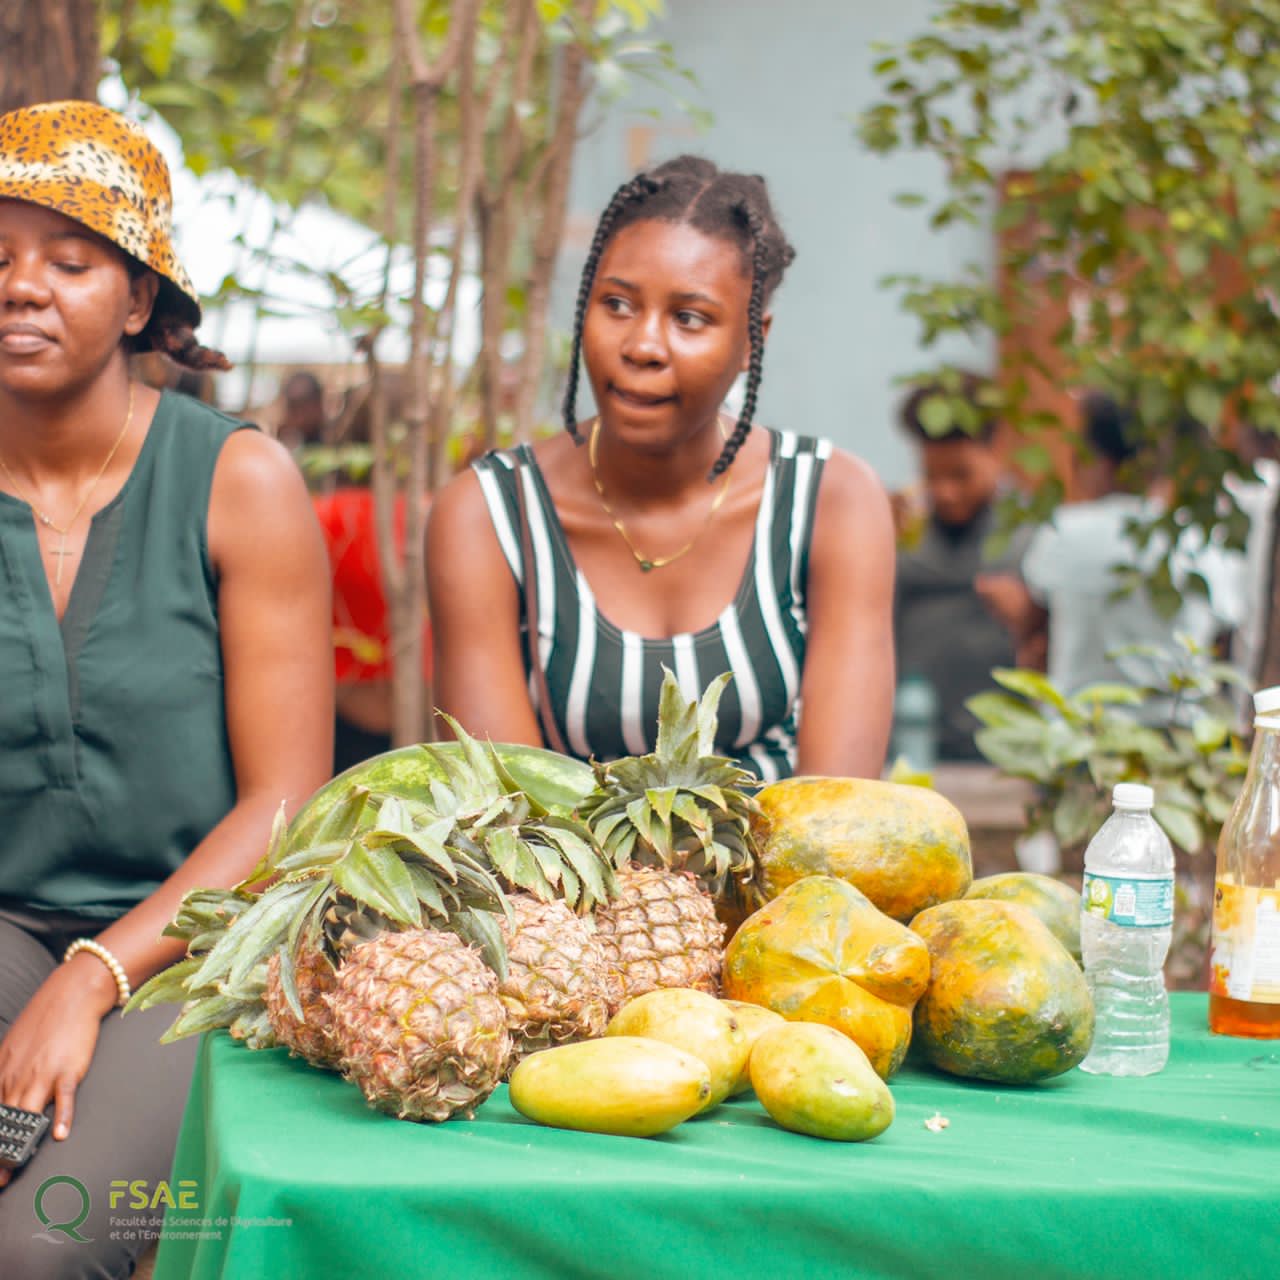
[
  {"x": 1209, "y": 732},
  {"x": 376, "y": 877},
  {"x": 1108, "y": 694},
  {"x": 169, "y": 986},
  {"x": 481, "y": 929},
  {"x": 208, "y": 1015},
  {"x": 660, "y": 801},
  {"x": 1032, "y": 685},
  {"x": 591, "y": 870},
  {"x": 1000, "y": 710},
  {"x": 1182, "y": 826},
  {"x": 1075, "y": 816},
  {"x": 426, "y": 888},
  {"x": 257, "y": 939}
]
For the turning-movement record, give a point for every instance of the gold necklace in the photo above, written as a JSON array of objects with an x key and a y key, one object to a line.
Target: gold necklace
[
  {"x": 650, "y": 562},
  {"x": 61, "y": 549}
]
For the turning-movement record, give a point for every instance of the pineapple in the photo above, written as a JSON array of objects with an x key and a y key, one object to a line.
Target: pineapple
[
  {"x": 420, "y": 1025},
  {"x": 660, "y": 931},
  {"x": 680, "y": 807},
  {"x": 556, "y": 986},
  {"x": 311, "y": 1035},
  {"x": 440, "y": 870},
  {"x": 676, "y": 825}
]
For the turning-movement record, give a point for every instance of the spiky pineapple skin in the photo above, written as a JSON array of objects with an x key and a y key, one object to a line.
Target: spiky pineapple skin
[
  {"x": 556, "y": 988},
  {"x": 312, "y": 1037},
  {"x": 660, "y": 931},
  {"x": 420, "y": 1026}
]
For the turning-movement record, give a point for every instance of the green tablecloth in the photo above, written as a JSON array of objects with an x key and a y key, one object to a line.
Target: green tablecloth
[{"x": 1174, "y": 1175}]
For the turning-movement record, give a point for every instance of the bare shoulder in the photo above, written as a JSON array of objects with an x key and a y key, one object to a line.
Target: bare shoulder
[
  {"x": 459, "y": 510},
  {"x": 254, "y": 468},
  {"x": 851, "y": 492},
  {"x": 259, "y": 499}
]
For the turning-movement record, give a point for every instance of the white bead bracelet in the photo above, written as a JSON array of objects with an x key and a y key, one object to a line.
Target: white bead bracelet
[{"x": 116, "y": 969}]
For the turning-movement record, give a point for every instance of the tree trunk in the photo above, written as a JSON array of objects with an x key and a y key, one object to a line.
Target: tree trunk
[
  {"x": 48, "y": 51},
  {"x": 571, "y": 93}
]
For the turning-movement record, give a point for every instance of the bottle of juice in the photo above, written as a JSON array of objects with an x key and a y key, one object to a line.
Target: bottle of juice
[{"x": 1244, "y": 969}]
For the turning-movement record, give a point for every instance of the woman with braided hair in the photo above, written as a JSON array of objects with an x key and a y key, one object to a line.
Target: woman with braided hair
[
  {"x": 563, "y": 578},
  {"x": 164, "y": 662}
]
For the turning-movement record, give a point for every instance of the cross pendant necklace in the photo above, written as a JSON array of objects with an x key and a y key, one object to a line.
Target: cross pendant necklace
[{"x": 60, "y": 551}]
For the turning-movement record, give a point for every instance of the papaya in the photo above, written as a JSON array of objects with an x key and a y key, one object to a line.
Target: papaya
[
  {"x": 822, "y": 953},
  {"x": 906, "y": 848},
  {"x": 1005, "y": 1001},
  {"x": 754, "y": 1019},
  {"x": 623, "y": 1085},
  {"x": 811, "y": 1079},
  {"x": 695, "y": 1022},
  {"x": 1055, "y": 903}
]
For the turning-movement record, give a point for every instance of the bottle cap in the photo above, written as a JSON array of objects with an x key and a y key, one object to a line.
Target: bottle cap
[
  {"x": 1132, "y": 795},
  {"x": 1266, "y": 702}
]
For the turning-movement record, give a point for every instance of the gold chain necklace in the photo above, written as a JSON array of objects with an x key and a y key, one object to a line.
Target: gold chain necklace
[
  {"x": 61, "y": 549},
  {"x": 650, "y": 562}
]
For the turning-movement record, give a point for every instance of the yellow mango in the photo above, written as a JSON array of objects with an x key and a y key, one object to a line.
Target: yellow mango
[
  {"x": 695, "y": 1022},
  {"x": 812, "y": 1079},
  {"x": 753, "y": 1019},
  {"x": 622, "y": 1085}
]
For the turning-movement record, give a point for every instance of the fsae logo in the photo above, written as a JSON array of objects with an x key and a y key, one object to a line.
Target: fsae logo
[{"x": 143, "y": 1194}]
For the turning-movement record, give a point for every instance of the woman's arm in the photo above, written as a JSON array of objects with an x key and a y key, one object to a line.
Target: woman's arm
[
  {"x": 273, "y": 607},
  {"x": 848, "y": 682},
  {"x": 475, "y": 619}
]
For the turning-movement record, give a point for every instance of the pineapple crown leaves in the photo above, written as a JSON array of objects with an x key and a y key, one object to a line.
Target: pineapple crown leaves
[{"x": 679, "y": 806}]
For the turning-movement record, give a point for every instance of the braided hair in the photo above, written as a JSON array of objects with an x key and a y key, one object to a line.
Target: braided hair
[
  {"x": 732, "y": 206},
  {"x": 169, "y": 329}
]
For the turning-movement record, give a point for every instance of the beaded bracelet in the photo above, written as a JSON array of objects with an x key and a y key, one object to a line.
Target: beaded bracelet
[{"x": 123, "y": 990}]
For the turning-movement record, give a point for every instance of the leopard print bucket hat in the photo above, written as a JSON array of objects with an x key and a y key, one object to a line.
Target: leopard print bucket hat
[{"x": 98, "y": 168}]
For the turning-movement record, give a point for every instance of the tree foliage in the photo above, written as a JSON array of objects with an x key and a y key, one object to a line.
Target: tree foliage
[
  {"x": 1130, "y": 151},
  {"x": 446, "y": 126}
]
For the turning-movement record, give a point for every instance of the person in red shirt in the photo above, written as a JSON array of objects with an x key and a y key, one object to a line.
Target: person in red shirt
[{"x": 363, "y": 656}]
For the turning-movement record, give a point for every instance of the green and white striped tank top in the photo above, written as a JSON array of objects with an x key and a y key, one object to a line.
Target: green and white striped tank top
[{"x": 603, "y": 682}]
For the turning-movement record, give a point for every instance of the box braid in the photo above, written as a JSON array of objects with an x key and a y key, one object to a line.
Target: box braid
[
  {"x": 732, "y": 206},
  {"x": 170, "y": 329}
]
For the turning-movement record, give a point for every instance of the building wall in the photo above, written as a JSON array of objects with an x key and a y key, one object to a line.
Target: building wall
[{"x": 784, "y": 81}]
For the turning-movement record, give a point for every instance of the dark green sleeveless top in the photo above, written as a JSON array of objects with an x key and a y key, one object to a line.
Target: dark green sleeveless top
[{"x": 114, "y": 759}]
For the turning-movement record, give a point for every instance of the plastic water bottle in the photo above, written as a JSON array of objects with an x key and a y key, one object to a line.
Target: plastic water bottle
[
  {"x": 1126, "y": 922},
  {"x": 915, "y": 722}
]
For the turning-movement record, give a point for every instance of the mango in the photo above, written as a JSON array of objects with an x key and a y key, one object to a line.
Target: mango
[
  {"x": 695, "y": 1022},
  {"x": 624, "y": 1085},
  {"x": 753, "y": 1019},
  {"x": 812, "y": 1079}
]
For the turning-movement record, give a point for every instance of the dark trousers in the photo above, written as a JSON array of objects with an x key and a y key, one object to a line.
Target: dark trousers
[{"x": 128, "y": 1109}]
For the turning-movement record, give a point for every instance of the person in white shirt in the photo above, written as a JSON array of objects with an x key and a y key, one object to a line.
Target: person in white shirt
[{"x": 1072, "y": 569}]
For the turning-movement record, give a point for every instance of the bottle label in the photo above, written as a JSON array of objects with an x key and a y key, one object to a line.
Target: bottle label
[
  {"x": 1140, "y": 902},
  {"x": 1245, "y": 958}
]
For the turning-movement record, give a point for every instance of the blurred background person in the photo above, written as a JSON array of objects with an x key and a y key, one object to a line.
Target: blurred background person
[
  {"x": 302, "y": 412},
  {"x": 954, "y": 616},
  {"x": 363, "y": 648},
  {"x": 1071, "y": 567}
]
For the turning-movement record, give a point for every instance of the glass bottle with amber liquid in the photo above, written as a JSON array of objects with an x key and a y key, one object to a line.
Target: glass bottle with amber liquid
[{"x": 1244, "y": 963}]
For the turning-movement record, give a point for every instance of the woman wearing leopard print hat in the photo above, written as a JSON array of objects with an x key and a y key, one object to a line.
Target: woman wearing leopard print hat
[{"x": 164, "y": 656}]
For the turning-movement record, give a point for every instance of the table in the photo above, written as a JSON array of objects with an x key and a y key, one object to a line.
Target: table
[{"x": 1173, "y": 1175}]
